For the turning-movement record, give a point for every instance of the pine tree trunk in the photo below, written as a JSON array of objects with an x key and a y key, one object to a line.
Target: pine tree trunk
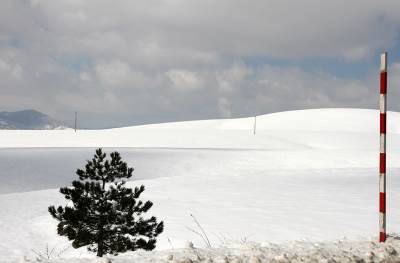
[{"x": 99, "y": 251}]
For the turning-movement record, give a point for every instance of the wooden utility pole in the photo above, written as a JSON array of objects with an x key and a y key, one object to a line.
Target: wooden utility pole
[
  {"x": 255, "y": 125},
  {"x": 76, "y": 117}
]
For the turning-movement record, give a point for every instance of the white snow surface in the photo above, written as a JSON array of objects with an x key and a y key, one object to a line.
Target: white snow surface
[
  {"x": 309, "y": 175},
  {"x": 292, "y": 130}
]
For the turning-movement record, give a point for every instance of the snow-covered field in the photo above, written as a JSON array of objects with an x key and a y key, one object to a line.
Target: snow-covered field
[{"x": 306, "y": 175}]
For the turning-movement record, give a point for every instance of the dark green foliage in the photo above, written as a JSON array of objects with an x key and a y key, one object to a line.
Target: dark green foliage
[{"x": 102, "y": 213}]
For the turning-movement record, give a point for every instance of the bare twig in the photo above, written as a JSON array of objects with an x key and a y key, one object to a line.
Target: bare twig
[
  {"x": 170, "y": 243},
  {"x": 49, "y": 253},
  {"x": 203, "y": 233}
]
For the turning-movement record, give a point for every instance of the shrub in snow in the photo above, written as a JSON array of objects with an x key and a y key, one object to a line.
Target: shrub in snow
[{"x": 103, "y": 214}]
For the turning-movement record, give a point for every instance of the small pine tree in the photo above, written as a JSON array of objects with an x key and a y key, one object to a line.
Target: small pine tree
[{"x": 102, "y": 213}]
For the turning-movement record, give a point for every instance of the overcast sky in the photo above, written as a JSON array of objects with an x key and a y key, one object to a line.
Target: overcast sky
[{"x": 125, "y": 62}]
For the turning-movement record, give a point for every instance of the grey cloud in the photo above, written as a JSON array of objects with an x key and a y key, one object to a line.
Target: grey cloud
[
  {"x": 273, "y": 88},
  {"x": 124, "y": 62}
]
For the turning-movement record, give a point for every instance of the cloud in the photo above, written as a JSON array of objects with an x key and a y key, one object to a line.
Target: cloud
[
  {"x": 295, "y": 88},
  {"x": 272, "y": 88},
  {"x": 188, "y": 30},
  {"x": 123, "y": 62},
  {"x": 4, "y": 66},
  {"x": 224, "y": 107},
  {"x": 113, "y": 73},
  {"x": 14, "y": 71},
  {"x": 231, "y": 78},
  {"x": 183, "y": 79}
]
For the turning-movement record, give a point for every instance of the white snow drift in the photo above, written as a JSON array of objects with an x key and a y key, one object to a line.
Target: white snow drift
[{"x": 309, "y": 174}]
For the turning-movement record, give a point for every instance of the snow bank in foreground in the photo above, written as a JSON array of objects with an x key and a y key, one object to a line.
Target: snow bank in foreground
[{"x": 299, "y": 251}]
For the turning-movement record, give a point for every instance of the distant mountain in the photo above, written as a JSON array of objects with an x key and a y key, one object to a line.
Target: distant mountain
[{"x": 28, "y": 120}]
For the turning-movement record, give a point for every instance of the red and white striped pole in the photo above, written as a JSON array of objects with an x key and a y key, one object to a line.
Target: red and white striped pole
[{"x": 382, "y": 152}]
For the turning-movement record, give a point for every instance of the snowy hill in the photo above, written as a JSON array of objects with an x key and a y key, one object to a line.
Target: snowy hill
[
  {"x": 28, "y": 120},
  {"x": 320, "y": 128},
  {"x": 305, "y": 175},
  {"x": 334, "y": 119}
]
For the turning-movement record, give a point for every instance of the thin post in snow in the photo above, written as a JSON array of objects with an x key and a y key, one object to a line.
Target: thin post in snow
[
  {"x": 382, "y": 148},
  {"x": 76, "y": 117},
  {"x": 255, "y": 125}
]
